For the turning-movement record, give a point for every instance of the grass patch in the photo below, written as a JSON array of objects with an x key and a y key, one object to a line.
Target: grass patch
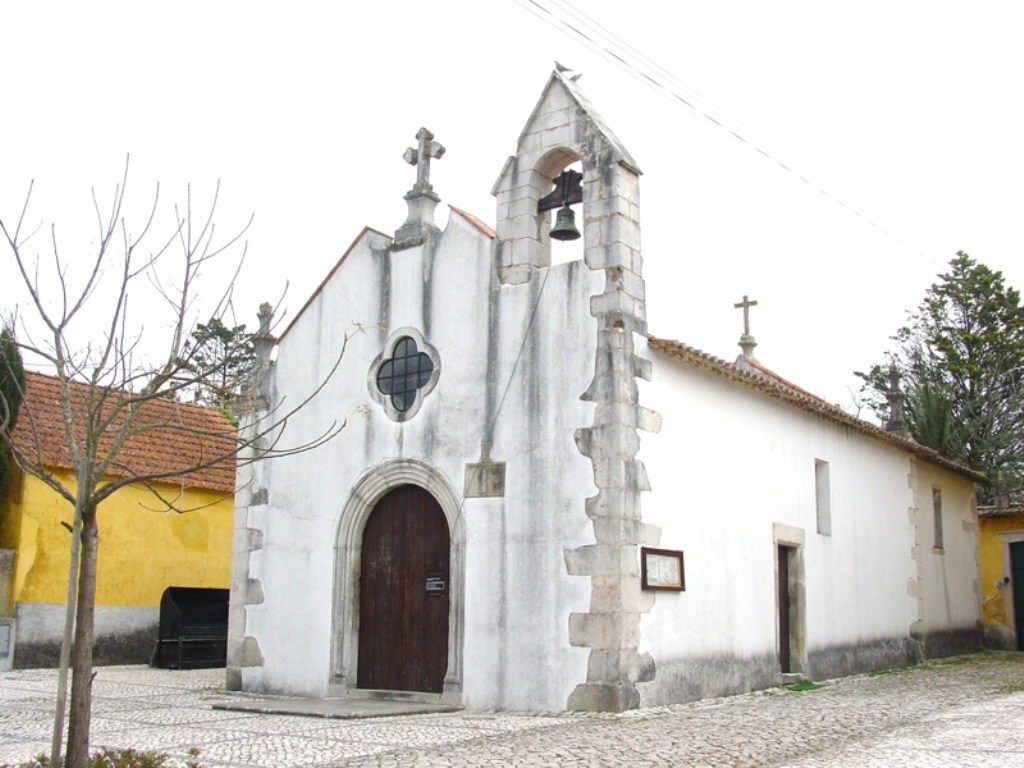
[{"x": 803, "y": 685}]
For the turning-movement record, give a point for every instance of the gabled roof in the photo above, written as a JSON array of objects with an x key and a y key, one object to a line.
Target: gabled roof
[
  {"x": 175, "y": 435},
  {"x": 757, "y": 377},
  {"x": 619, "y": 153}
]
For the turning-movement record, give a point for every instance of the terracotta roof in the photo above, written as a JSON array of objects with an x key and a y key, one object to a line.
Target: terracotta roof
[
  {"x": 1010, "y": 511},
  {"x": 759, "y": 378},
  {"x": 476, "y": 222},
  {"x": 175, "y": 435}
]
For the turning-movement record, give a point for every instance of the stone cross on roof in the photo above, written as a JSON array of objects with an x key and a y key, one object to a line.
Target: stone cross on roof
[
  {"x": 747, "y": 342},
  {"x": 420, "y": 156},
  {"x": 896, "y": 421},
  {"x": 421, "y": 199}
]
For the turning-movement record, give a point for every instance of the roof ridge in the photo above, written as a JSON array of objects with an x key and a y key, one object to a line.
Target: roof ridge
[{"x": 801, "y": 398}]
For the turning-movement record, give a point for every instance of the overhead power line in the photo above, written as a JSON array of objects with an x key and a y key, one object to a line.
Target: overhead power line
[{"x": 576, "y": 24}]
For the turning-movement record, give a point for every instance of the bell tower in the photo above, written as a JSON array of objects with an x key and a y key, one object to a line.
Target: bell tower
[{"x": 563, "y": 129}]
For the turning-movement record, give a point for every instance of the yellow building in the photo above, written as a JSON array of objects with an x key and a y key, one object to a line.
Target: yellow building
[
  {"x": 143, "y": 548},
  {"x": 1001, "y": 540}
]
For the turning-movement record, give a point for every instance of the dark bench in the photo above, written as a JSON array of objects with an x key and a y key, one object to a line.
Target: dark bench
[{"x": 193, "y": 628}]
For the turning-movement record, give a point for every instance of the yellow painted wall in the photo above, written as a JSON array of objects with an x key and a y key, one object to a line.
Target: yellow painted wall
[
  {"x": 141, "y": 552},
  {"x": 994, "y": 607}
]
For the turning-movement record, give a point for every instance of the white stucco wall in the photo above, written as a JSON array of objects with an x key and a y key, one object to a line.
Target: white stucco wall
[
  {"x": 950, "y": 589},
  {"x": 727, "y": 465},
  {"x": 501, "y": 364}
]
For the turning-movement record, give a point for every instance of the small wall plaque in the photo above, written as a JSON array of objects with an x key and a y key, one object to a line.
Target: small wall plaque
[
  {"x": 661, "y": 569},
  {"x": 436, "y": 585},
  {"x": 485, "y": 480}
]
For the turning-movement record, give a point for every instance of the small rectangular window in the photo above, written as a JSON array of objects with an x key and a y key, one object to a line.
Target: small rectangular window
[
  {"x": 937, "y": 517},
  {"x": 823, "y": 497}
]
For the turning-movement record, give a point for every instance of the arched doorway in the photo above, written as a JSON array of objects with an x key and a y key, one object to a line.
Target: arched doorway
[{"x": 404, "y": 593}]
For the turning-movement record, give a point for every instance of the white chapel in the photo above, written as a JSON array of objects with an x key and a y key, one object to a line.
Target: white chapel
[{"x": 537, "y": 503}]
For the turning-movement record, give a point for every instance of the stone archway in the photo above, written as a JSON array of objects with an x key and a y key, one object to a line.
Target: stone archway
[
  {"x": 403, "y": 594},
  {"x": 365, "y": 495}
]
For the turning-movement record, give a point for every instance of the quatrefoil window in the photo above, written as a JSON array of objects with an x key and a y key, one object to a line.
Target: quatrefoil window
[{"x": 404, "y": 373}]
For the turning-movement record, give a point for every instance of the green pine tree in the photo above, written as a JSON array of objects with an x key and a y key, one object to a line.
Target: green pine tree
[
  {"x": 220, "y": 358},
  {"x": 961, "y": 357}
]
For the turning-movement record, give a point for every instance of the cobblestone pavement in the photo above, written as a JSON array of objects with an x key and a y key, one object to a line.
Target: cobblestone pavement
[{"x": 962, "y": 712}]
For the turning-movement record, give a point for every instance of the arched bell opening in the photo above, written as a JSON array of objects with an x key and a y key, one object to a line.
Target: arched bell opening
[{"x": 560, "y": 206}]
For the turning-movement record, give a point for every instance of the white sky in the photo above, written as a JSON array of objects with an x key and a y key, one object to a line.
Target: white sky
[{"x": 909, "y": 112}]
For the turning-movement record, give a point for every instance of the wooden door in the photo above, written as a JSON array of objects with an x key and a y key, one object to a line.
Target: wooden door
[
  {"x": 783, "y": 603},
  {"x": 403, "y": 594},
  {"x": 1017, "y": 581}
]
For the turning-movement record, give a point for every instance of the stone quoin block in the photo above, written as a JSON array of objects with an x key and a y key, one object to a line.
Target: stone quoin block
[
  {"x": 637, "y": 261},
  {"x": 608, "y": 206},
  {"x": 604, "y": 697},
  {"x": 610, "y": 472},
  {"x": 249, "y": 654},
  {"x": 631, "y": 283},
  {"x": 561, "y": 135},
  {"x": 618, "y": 529},
  {"x": 511, "y": 192},
  {"x": 552, "y": 119},
  {"x": 628, "y": 665},
  {"x": 643, "y": 369},
  {"x": 622, "y": 183},
  {"x": 613, "y": 256},
  {"x": 530, "y": 142},
  {"x": 517, "y": 274},
  {"x": 612, "y": 504},
  {"x": 604, "y": 631},
  {"x": 252, "y": 592},
  {"x": 246, "y": 540},
  {"x": 612, "y": 303},
  {"x": 617, "y": 340},
  {"x": 618, "y": 437},
  {"x": 523, "y": 206},
  {"x": 621, "y": 229},
  {"x": 649, "y": 420},
  {"x": 603, "y": 560},
  {"x": 624, "y": 413},
  {"x": 618, "y": 592},
  {"x": 522, "y": 227}
]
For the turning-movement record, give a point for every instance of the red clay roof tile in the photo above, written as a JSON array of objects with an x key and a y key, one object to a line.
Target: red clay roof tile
[
  {"x": 484, "y": 228},
  {"x": 173, "y": 436}
]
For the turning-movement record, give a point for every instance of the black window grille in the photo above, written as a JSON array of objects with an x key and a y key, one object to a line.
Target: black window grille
[{"x": 403, "y": 374}]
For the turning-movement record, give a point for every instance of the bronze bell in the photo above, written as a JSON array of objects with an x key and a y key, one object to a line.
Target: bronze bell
[{"x": 565, "y": 225}]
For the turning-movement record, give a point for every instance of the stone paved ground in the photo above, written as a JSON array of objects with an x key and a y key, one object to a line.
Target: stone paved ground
[{"x": 964, "y": 712}]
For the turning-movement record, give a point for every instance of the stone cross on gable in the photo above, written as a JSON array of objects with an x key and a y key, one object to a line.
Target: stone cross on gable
[
  {"x": 746, "y": 304},
  {"x": 896, "y": 421},
  {"x": 420, "y": 156},
  {"x": 747, "y": 342}
]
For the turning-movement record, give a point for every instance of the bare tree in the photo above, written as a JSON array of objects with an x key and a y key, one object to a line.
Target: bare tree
[{"x": 111, "y": 390}]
